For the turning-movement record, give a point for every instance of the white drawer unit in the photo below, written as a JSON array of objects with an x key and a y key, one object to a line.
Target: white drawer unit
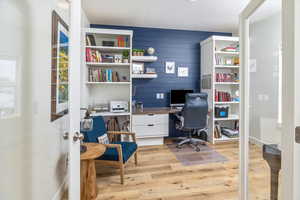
[{"x": 150, "y": 129}]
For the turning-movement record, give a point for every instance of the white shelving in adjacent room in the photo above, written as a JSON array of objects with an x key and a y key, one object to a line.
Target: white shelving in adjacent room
[{"x": 220, "y": 70}]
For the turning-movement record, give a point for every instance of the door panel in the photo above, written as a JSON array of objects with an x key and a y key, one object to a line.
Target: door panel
[{"x": 265, "y": 96}]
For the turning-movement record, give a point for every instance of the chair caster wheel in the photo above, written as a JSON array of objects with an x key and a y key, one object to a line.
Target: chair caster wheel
[
  {"x": 198, "y": 149},
  {"x": 178, "y": 147}
]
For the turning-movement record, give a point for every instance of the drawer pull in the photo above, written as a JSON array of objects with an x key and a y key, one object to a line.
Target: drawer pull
[
  {"x": 150, "y": 114},
  {"x": 150, "y": 124}
]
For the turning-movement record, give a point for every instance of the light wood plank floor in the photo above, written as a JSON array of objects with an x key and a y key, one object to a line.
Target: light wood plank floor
[{"x": 159, "y": 176}]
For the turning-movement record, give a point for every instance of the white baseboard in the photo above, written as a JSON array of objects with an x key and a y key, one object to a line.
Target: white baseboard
[
  {"x": 256, "y": 141},
  {"x": 60, "y": 192}
]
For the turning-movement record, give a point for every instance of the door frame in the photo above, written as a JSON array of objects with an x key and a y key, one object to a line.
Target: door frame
[
  {"x": 288, "y": 99},
  {"x": 74, "y": 99}
]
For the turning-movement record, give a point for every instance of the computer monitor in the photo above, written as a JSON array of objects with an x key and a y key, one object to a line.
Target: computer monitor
[{"x": 177, "y": 97}]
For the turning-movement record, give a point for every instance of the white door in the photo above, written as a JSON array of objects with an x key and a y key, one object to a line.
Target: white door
[
  {"x": 74, "y": 99},
  {"x": 270, "y": 93},
  {"x": 32, "y": 149}
]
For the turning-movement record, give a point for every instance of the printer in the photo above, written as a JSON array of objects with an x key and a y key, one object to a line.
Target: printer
[{"x": 118, "y": 106}]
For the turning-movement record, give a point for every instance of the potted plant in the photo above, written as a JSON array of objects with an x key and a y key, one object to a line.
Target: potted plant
[
  {"x": 135, "y": 52},
  {"x": 126, "y": 56}
]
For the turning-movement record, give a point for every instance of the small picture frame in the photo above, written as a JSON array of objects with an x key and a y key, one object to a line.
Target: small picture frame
[
  {"x": 118, "y": 58},
  {"x": 183, "y": 72},
  {"x": 170, "y": 67},
  {"x": 138, "y": 68}
]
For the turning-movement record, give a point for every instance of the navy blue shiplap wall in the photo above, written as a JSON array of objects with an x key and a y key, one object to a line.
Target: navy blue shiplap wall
[{"x": 180, "y": 46}]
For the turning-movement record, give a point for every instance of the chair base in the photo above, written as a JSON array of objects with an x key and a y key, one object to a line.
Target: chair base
[{"x": 193, "y": 142}]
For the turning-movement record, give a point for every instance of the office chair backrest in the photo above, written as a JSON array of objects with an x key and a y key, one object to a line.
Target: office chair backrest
[{"x": 195, "y": 111}]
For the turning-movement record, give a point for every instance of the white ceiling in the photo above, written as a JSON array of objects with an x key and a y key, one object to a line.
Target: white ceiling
[{"x": 205, "y": 15}]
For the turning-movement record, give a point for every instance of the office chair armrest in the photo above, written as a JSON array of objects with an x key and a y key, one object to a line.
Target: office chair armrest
[
  {"x": 123, "y": 133},
  {"x": 119, "y": 150}
]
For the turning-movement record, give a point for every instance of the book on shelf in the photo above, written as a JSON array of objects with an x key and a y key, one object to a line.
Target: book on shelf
[
  {"x": 217, "y": 131},
  {"x": 93, "y": 55},
  {"x": 221, "y": 96},
  {"x": 103, "y": 75},
  {"x": 122, "y": 41},
  {"x": 90, "y": 40}
]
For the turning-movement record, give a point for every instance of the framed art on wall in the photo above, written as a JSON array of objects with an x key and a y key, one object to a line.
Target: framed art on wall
[
  {"x": 183, "y": 72},
  {"x": 170, "y": 67},
  {"x": 59, "y": 67}
]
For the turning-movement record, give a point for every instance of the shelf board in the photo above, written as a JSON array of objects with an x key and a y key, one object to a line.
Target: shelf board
[
  {"x": 230, "y": 118},
  {"x": 108, "y": 64},
  {"x": 111, "y": 114},
  {"x": 226, "y": 83},
  {"x": 227, "y": 52},
  {"x": 227, "y": 66},
  {"x": 109, "y": 49},
  {"x": 144, "y": 58},
  {"x": 225, "y": 138},
  {"x": 229, "y": 102},
  {"x": 107, "y": 83},
  {"x": 142, "y": 76}
]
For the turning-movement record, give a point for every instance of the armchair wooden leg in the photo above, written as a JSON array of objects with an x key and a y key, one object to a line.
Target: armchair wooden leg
[
  {"x": 136, "y": 158},
  {"x": 122, "y": 173}
]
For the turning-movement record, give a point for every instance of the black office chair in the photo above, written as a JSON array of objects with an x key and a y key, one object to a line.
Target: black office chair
[{"x": 193, "y": 119}]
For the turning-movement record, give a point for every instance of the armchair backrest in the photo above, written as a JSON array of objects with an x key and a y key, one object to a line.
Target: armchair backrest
[
  {"x": 195, "y": 111},
  {"x": 98, "y": 130}
]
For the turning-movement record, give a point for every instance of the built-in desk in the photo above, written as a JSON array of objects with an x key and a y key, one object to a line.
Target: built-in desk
[
  {"x": 161, "y": 110},
  {"x": 151, "y": 125}
]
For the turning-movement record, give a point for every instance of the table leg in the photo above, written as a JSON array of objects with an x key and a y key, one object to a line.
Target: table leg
[{"x": 88, "y": 183}]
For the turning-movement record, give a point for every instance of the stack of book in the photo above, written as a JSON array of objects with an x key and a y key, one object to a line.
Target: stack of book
[
  {"x": 103, "y": 75},
  {"x": 227, "y": 77},
  {"x": 231, "y": 133},
  {"x": 222, "y": 96}
]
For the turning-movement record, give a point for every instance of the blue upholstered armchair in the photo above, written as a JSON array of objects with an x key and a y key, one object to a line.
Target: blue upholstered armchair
[{"x": 117, "y": 153}]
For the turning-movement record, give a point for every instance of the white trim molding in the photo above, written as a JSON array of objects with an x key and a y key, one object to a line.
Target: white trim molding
[{"x": 244, "y": 105}]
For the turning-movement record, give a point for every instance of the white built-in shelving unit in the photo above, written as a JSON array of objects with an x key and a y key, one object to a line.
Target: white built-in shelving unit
[
  {"x": 100, "y": 92},
  {"x": 212, "y": 50}
]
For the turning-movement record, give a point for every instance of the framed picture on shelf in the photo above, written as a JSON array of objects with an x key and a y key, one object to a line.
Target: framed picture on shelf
[
  {"x": 59, "y": 67},
  {"x": 118, "y": 58},
  {"x": 137, "y": 68}
]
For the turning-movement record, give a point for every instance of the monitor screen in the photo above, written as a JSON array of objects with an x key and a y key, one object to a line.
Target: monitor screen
[{"x": 177, "y": 97}]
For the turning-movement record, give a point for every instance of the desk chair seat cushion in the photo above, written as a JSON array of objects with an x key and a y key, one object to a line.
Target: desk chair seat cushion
[{"x": 128, "y": 148}]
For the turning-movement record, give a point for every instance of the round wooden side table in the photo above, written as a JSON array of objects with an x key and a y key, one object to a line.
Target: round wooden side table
[{"x": 88, "y": 186}]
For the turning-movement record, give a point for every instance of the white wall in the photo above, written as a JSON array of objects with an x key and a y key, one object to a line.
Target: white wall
[
  {"x": 265, "y": 40},
  {"x": 32, "y": 150}
]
